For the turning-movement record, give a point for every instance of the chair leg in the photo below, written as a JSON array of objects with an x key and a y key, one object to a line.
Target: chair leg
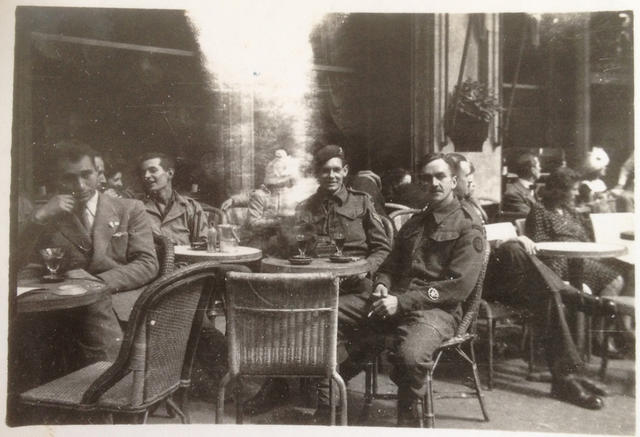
[
  {"x": 220, "y": 408},
  {"x": 604, "y": 354},
  {"x": 183, "y": 418},
  {"x": 491, "y": 327},
  {"x": 368, "y": 380},
  {"x": 430, "y": 415},
  {"x": 184, "y": 404},
  {"x": 238, "y": 398},
  {"x": 476, "y": 379},
  {"x": 342, "y": 388},
  {"x": 531, "y": 347},
  {"x": 588, "y": 350},
  {"x": 376, "y": 369}
]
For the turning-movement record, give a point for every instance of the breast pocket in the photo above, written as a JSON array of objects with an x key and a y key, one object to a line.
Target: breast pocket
[
  {"x": 118, "y": 244},
  {"x": 351, "y": 222},
  {"x": 441, "y": 244}
]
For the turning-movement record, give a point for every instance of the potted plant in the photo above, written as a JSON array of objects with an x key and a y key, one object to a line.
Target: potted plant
[{"x": 471, "y": 108}]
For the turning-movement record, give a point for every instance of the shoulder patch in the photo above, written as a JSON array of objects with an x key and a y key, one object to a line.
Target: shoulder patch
[
  {"x": 433, "y": 293},
  {"x": 478, "y": 245}
]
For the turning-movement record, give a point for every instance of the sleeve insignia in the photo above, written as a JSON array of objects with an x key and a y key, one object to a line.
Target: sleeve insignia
[
  {"x": 433, "y": 293},
  {"x": 477, "y": 244}
]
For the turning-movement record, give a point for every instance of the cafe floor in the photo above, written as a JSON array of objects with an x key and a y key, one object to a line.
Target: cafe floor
[{"x": 514, "y": 404}]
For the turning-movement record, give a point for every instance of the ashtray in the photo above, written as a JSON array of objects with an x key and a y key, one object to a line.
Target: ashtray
[
  {"x": 199, "y": 245},
  {"x": 52, "y": 278},
  {"x": 300, "y": 260},
  {"x": 340, "y": 259}
]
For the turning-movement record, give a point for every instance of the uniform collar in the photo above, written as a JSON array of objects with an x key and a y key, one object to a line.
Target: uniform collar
[
  {"x": 443, "y": 212},
  {"x": 339, "y": 196}
]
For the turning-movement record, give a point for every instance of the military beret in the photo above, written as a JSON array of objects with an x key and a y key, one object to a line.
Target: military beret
[{"x": 328, "y": 152}]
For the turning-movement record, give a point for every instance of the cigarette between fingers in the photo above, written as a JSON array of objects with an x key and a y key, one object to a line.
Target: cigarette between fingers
[{"x": 370, "y": 314}]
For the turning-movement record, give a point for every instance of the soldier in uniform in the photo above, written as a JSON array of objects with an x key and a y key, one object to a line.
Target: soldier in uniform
[
  {"x": 333, "y": 208},
  {"x": 517, "y": 277},
  {"x": 419, "y": 288},
  {"x": 178, "y": 217}
]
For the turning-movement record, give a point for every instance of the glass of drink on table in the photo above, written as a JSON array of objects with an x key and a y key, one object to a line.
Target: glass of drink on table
[
  {"x": 338, "y": 239},
  {"x": 52, "y": 257}
]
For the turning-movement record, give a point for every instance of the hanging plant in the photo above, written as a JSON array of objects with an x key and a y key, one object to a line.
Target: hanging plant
[{"x": 471, "y": 108}]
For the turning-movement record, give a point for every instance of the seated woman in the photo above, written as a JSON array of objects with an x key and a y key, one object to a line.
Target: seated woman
[
  {"x": 592, "y": 190},
  {"x": 555, "y": 219}
]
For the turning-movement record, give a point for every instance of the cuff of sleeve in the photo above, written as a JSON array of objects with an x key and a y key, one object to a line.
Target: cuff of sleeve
[{"x": 382, "y": 279}]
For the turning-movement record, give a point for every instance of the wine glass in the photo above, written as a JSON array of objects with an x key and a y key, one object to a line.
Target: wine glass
[
  {"x": 301, "y": 240},
  {"x": 338, "y": 240},
  {"x": 52, "y": 257}
]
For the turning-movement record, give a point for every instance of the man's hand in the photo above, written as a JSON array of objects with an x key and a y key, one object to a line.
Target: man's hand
[
  {"x": 528, "y": 245},
  {"x": 385, "y": 307},
  {"x": 56, "y": 205}
]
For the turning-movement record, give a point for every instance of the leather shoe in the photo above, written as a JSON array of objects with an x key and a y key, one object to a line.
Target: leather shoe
[
  {"x": 274, "y": 392},
  {"x": 593, "y": 386},
  {"x": 570, "y": 390}
]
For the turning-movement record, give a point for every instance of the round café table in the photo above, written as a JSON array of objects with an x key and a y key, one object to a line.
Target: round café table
[
  {"x": 237, "y": 254},
  {"x": 46, "y": 297},
  {"x": 576, "y": 251},
  {"x": 279, "y": 265}
]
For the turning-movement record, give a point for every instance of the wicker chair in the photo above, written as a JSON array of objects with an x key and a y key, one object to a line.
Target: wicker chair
[
  {"x": 165, "y": 253},
  {"x": 281, "y": 325},
  {"x": 465, "y": 334},
  {"x": 401, "y": 216},
  {"x": 155, "y": 358}
]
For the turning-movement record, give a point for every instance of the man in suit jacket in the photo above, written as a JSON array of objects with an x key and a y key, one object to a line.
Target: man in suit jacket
[
  {"x": 108, "y": 239},
  {"x": 519, "y": 196}
]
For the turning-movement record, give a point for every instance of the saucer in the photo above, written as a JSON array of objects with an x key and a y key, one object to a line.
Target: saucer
[
  {"x": 300, "y": 261},
  {"x": 340, "y": 259},
  {"x": 52, "y": 278},
  {"x": 70, "y": 290}
]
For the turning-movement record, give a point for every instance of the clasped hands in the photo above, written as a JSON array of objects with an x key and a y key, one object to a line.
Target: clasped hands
[{"x": 384, "y": 305}]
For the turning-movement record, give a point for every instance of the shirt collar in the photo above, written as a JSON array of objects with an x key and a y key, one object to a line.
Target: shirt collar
[
  {"x": 525, "y": 183},
  {"x": 92, "y": 204}
]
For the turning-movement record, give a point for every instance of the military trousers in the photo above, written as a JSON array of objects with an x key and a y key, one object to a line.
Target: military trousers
[{"x": 411, "y": 337}]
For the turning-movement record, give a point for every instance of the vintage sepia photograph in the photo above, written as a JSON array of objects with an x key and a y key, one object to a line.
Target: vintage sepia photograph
[{"x": 314, "y": 216}]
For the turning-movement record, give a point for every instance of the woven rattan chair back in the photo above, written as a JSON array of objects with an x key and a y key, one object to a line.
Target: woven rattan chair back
[
  {"x": 162, "y": 334},
  {"x": 165, "y": 253},
  {"x": 282, "y": 324},
  {"x": 471, "y": 306},
  {"x": 401, "y": 216}
]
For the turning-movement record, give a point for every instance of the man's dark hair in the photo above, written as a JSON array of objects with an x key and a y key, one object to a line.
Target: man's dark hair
[
  {"x": 167, "y": 162},
  {"x": 524, "y": 165},
  {"x": 113, "y": 167},
  {"x": 434, "y": 156},
  {"x": 71, "y": 151},
  {"x": 457, "y": 158}
]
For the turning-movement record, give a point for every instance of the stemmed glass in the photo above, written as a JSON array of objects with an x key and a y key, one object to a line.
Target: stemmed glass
[
  {"x": 301, "y": 240},
  {"x": 338, "y": 240},
  {"x": 52, "y": 257}
]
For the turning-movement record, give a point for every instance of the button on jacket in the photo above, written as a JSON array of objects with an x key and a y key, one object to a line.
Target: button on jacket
[
  {"x": 435, "y": 261},
  {"x": 183, "y": 223},
  {"x": 353, "y": 213}
]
